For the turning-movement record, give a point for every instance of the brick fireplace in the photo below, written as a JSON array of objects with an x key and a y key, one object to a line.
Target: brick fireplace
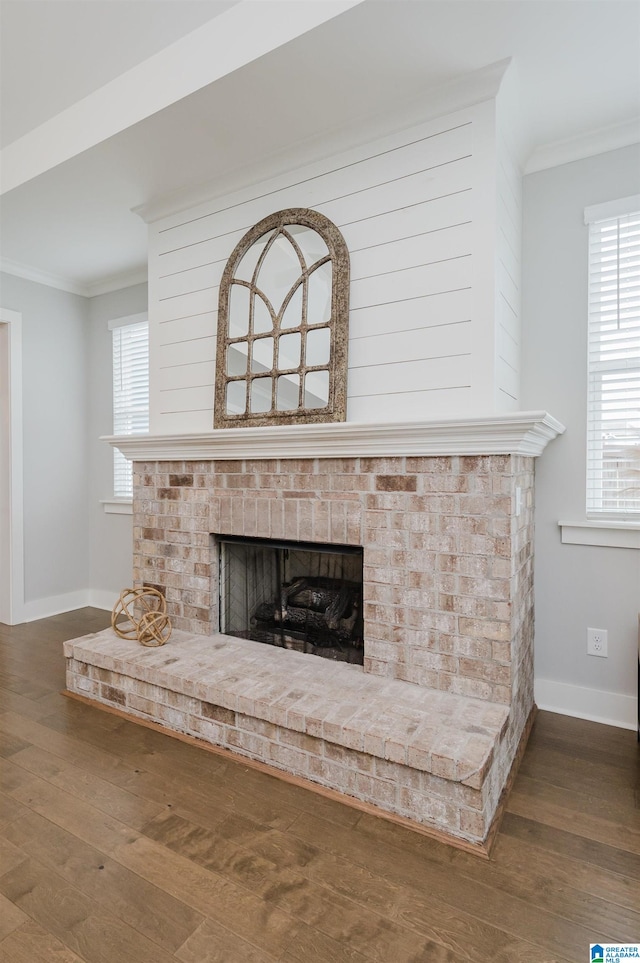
[
  {"x": 429, "y": 727},
  {"x": 439, "y": 499},
  {"x": 447, "y": 563}
]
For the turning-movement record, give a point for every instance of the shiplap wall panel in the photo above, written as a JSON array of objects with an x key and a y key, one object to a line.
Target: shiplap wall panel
[
  {"x": 195, "y": 420},
  {"x": 193, "y": 256},
  {"x": 508, "y": 237},
  {"x": 424, "y": 312},
  {"x": 186, "y": 305},
  {"x": 448, "y": 179},
  {"x": 508, "y": 380},
  {"x": 508, "y": 347},
  {"x": 432, "y": 221},
  {"x": 419, "y": 217},
  {"x": 450, "y": 275},
  {"x": 430, "y": 403},
  {"x": 198, "y": 279},
  {"x": 199, "y": 374},
  {"x": 349, "y": 201},
  {"x": 186, "y": 352},
  {"x": 405, "y": 207},
  {"x": 439, "y": 342},
  {"x": 428, "y": 157},
  {"x": 508, "y": 288},
  {"x": 188, "y": 329},
  {"x": 431, "y": 248},
  {"x": 508, "y": 277},
  {"x": 412, "y": 375},
  {"x": 188, "y": 399}
]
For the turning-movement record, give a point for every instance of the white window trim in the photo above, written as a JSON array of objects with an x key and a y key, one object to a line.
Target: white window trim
[
  {"x": 598, "y": 521},
  {"x": 116, "y": 505},
  {"x": 603, "y": 534},
  {"x": 618, "y": 208}
]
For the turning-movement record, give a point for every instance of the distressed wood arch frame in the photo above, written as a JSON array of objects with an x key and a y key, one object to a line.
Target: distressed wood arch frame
[{"x": 338, "y": 325}]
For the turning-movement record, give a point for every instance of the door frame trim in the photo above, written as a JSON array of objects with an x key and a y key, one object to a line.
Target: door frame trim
[{"x": 11, "y": 387}]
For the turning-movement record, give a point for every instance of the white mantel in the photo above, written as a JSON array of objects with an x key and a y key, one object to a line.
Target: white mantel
[{"x": 517, "y": 433}]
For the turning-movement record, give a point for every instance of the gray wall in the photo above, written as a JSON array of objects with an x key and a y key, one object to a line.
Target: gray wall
[
  {"x": 55, "y": 430},
  {"x": 111, "y": 546},
  {"x": 576, "y": 586},
  {"x": 74, "y": 553}
]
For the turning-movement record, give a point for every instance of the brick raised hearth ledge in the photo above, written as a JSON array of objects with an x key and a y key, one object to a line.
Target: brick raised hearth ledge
[
  {"x": 428, "y": 729},
  {"x": 430, "y": 756}
]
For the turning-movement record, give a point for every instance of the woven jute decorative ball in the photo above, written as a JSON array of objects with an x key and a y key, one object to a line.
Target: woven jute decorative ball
[
  {"x": 145, "y": 610},
  {"x": 154, "y": 628}
]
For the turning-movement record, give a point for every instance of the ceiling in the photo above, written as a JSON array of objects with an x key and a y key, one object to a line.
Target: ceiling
[{"x": 107, "y": 105}]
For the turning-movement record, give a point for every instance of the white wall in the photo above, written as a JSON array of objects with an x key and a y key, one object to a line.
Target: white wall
[
  {"x": 55, "y": 426},
  {"x": 576, "y": 586},
  {"x": 111, "y": 538},
  {"x": 418, "y": 213}
]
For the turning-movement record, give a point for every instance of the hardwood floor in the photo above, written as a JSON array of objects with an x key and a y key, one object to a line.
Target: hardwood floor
[{"x": 119, "y": 844}]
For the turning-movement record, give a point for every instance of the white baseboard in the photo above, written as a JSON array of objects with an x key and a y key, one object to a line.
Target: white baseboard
[
  {"x": 59, "y": 604},
  {"x": 102, "y": 599},
  {"x": 596, "y": 705},
  {"x": 55, "y": 605}
]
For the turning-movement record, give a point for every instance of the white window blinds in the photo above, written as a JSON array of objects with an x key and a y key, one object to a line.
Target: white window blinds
[
  {"x": 130, "y": 391},
  {"x": 613, "y": 418}
]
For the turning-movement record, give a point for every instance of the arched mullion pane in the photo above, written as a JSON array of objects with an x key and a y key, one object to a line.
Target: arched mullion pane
[
  {"x": 287, "y": 301},
  {"x": 279, "y": 269},
  {"x": 300, "y": 282},
  {"x": 303, "y": 338},
  {"x": 320, "y": 292},
  {"x": 295, "y": 246},
  {"x": 267, "y": 248},
  {"x": 256, "y": 293},
  {"x": 262, "y": 376},
  {"x": 250, "y": 337}
]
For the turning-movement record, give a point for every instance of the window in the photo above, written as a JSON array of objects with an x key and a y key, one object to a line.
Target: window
[
  {"x": 130, "y": 391},
  {"x": 282, "y": 324},
  {"x": 613, "y": 417}
]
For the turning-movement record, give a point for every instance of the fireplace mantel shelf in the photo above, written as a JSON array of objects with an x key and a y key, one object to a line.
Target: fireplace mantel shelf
[{"x": 519, "y": 433}]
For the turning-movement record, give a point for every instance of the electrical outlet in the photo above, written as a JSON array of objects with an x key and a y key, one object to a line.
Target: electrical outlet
[{"x": 597, "y": 640}]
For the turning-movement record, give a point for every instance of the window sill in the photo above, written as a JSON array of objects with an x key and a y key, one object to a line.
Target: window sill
[
  {"x": 606, "y": 533},
  {"x": 117, "y": 506}
]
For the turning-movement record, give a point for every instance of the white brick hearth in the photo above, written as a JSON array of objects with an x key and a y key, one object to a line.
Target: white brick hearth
[{"x": 427, "y": 755}]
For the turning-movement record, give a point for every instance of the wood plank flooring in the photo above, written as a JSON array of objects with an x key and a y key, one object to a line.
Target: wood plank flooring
[{"x": 119, "y": 844}]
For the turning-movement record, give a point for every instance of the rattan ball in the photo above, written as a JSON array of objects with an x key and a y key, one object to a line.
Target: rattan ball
[
  {"x": 145, "y": 610},
  {"x": 154, "y": 628}
]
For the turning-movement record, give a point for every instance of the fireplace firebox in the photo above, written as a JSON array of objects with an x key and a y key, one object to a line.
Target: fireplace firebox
[{"x": 296, "y": 595}]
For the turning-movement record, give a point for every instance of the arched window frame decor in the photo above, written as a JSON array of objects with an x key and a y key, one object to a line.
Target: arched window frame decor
[{"x": 338, "y": 322}]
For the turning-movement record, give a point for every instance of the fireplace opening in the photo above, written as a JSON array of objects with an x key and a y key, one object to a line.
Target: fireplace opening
[{"x": 295, "y": 595}]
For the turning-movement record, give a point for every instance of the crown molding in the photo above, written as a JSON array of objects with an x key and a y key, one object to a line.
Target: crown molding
[
  {"x": 517, "y": 433},
  {"x": 116, "y": 282},
  {"x": 126, "y": 279},
  {"x": 29, "y": 273},
  {"x": 348, "y": 143},
  {"x": 585, "y": 145}
]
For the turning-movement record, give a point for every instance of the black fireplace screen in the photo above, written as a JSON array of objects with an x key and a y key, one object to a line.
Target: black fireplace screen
[{"x": 293, "y": 594}]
